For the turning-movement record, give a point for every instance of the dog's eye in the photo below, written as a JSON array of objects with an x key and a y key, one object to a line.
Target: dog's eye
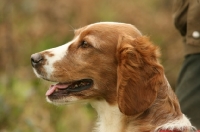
[{"x": 84, "y": 44}]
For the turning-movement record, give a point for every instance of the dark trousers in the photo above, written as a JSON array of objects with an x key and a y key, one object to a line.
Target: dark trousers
[{"x": 188, "y": 88}]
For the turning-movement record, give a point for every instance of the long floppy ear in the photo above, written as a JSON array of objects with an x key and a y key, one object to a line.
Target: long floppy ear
[{"x": 139, "y": 74}]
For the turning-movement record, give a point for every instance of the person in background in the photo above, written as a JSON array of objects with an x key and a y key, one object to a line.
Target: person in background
[{"x": 186, "y": 15}]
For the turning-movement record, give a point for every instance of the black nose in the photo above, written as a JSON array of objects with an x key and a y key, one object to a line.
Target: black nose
[{"x": 36, "y": 59}]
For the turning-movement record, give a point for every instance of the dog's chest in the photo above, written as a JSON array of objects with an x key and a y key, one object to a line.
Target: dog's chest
[{"x": 109, "y": 118}]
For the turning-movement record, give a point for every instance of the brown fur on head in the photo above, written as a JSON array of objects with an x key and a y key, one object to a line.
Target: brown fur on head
[{"x": 139, "y": 74}]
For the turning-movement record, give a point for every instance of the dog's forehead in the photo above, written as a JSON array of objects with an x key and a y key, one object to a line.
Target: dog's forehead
[
  {"x": 107, "y": 24},
  {"x": 109, "y": 27}
]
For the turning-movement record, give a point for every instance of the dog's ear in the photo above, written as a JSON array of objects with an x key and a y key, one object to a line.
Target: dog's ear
[{"x": 139, "y": 74}]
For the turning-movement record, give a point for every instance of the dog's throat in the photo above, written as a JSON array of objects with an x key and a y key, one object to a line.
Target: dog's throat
[{"x": 66, "y": 88}]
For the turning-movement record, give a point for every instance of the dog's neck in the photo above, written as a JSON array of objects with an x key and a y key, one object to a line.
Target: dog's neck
[{"x": 109, "y": 117}]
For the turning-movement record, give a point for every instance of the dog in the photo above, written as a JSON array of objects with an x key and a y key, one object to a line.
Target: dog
[{"x": 116, "y": 69}]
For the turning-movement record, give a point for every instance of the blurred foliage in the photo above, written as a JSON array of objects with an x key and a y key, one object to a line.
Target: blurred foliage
[{"x": 29, "y": 26}]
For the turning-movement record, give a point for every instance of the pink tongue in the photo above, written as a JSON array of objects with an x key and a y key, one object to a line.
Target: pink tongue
[{"x": 52, "y": 88}]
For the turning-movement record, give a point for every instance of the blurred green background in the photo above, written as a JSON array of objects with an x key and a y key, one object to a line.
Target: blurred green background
[{"x": 29, "y": 26}]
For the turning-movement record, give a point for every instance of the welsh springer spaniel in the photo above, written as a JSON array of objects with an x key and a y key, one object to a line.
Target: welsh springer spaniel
[{"x": 116, "y": 69}]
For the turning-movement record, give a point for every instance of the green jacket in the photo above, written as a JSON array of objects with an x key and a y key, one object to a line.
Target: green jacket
[{"x": 186, "y": 14}]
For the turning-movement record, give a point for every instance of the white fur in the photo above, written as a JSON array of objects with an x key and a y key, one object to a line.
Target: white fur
[
  {"x": 109, "y": 117},
  {"x": 63, "y": 101},
  {"x": 59, "y": 53},
  {"x": 182, "y": 124},
  {"x": 38, "y": 75}
]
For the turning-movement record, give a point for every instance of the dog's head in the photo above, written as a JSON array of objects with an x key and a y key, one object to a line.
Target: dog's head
[{"x": 110, "y": 61}]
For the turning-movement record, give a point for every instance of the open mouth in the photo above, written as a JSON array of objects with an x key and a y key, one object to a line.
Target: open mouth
[{"x": 63, "y": 89}]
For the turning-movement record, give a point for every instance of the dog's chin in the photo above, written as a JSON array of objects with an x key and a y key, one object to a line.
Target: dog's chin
[
  {"x": 67, "y": 100},
  {"x": 56, "y": 102}
]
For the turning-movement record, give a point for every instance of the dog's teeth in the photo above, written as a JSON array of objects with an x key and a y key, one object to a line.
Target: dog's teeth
[
  {"x": 76, "y": 86},
  {"x": 56, "y": 90}
]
